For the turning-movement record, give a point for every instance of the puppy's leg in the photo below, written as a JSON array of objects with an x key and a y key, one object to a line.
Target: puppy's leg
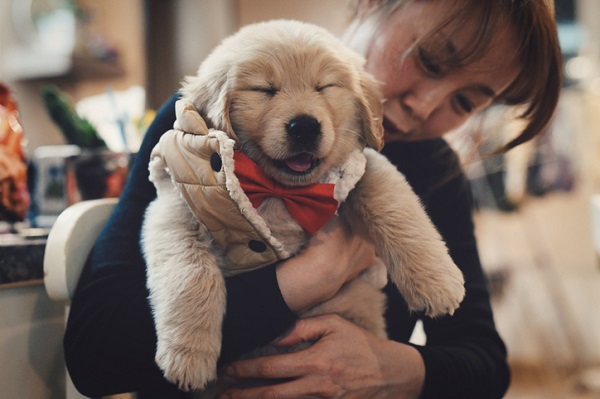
[
  {"x": 187, "y": 290},
  {"x": 384, "y": 207}
]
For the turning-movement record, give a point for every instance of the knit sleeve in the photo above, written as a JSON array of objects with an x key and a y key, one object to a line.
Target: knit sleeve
[{"x": 464, "y": 355}]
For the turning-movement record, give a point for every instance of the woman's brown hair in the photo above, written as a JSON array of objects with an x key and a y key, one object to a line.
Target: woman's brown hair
[{"x": 538, "y": 85}]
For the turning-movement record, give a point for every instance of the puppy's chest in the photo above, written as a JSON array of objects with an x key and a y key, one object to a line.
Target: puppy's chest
[{"x": 282, "y": 225}]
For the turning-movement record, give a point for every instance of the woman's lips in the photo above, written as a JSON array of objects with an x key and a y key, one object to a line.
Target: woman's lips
[{"x": 391, "y": 128}]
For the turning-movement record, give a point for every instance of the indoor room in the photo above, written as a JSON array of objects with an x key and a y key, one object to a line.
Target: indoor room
[{"x": 82, "y": 80}]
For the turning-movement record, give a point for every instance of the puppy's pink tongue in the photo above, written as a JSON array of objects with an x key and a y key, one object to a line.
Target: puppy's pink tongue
[{"x": 299, "y": 163}]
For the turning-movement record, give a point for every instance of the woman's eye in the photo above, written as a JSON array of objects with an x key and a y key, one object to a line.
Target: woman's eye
[
  {"x": 464, "y": 104},
  {"x": 428, "y": 63}
]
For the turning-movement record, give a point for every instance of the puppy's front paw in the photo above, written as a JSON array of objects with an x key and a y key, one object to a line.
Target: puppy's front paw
[
  {"x": 159, "y": 175},
  {"x": 189, "y": 369},
  {"x": 437, "y": 294}
]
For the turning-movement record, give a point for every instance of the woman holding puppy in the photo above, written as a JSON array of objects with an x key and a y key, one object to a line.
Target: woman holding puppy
[{"x": 439, "y": 62}]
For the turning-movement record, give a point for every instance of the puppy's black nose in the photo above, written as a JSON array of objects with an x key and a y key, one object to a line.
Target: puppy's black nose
[{"x": 304, "y": 129}]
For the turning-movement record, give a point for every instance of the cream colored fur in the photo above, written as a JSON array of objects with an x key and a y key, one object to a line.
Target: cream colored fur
[{"x": 250, "y": 87}]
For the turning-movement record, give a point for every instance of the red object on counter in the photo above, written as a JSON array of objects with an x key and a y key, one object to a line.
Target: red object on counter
[{"x": 14, "y": 195}]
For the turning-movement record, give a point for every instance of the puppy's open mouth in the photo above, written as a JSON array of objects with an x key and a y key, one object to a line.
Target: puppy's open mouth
[{"x": 298, "y": 164}]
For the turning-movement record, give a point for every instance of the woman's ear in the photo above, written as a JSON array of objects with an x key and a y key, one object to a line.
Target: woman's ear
[{"x": 370, "y": 105}]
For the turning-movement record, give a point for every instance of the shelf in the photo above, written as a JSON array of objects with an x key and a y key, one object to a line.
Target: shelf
[
  {"x": 90, "y": 68},
  {"x": 28, "y": 64}
]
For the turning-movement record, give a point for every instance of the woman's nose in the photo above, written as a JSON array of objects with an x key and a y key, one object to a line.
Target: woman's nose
[{"x": 423, "y": 100}]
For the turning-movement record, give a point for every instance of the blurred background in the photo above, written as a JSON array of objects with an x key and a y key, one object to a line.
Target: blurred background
[{"x": 110, "y": 64}]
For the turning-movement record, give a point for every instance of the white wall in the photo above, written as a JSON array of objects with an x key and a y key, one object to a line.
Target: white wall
[
  {"x": 201, "y": 25},
  {"x": 331, "y": 14}
]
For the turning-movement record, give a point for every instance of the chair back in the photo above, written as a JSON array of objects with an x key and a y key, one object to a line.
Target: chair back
[{"x": 69, "y": 243}]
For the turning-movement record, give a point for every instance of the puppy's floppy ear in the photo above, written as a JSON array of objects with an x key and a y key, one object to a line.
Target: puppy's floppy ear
[
  {"x": 370, "y": 108},
  {"x": 210, "y": 93},
  {"x": 227, "y": 122}
]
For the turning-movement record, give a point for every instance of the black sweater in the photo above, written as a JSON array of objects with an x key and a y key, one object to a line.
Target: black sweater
[{"x": 110, "y": 338}]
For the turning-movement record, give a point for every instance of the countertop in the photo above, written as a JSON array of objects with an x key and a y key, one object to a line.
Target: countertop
[{"x": 21, "y": 259}]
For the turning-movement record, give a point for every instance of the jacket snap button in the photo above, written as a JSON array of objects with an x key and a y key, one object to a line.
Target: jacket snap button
[
  {"x": 257, "y": 246},
  {"x": 215, "y": 162}
]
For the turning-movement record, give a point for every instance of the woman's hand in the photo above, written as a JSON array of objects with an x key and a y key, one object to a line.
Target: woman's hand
[
  {"x": 332, "y": 257},
  {"x": 345, "y": 361}
]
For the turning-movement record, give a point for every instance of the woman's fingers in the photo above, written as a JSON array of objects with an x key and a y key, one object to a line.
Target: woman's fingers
[
  {"x": 306, "y": 330},
  {"x": 344, "y": 361},
  {"x": 269, "y": 367},
  {"x": 288, "y": 365}
]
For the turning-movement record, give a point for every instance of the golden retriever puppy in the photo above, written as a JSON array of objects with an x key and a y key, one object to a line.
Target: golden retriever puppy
[{"x": 285, "y": 103}]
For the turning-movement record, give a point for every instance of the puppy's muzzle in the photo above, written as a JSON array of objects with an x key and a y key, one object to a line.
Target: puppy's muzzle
[{"x": 304, "y": 130}]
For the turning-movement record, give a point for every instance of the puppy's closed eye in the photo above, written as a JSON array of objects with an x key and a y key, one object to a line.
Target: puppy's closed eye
[
  {"x": 322, "y": 88},
  {"x": 268, "y": 90}
]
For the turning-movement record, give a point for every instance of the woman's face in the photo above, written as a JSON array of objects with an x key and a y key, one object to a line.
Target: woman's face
[{"x": 423, "y": 98}]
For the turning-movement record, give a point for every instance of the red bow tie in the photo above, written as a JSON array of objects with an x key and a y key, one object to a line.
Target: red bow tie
[{"x": 312, "y": 206}]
